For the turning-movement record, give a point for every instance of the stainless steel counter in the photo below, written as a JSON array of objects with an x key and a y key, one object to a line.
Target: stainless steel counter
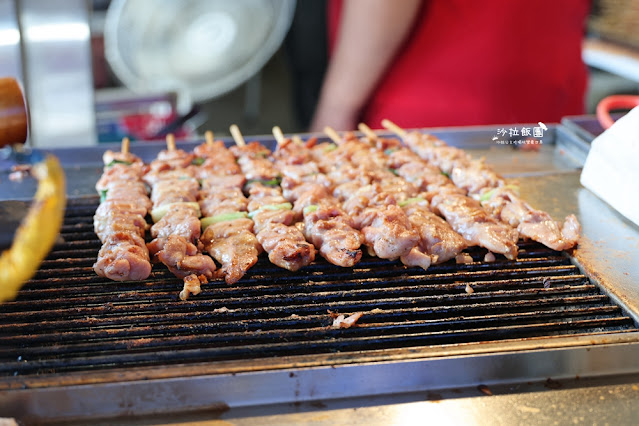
[{"x": 612, "y": 401}]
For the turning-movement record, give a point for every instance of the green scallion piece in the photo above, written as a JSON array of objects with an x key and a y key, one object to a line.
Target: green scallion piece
[
  {"x": 486, "y": 195},
  {"x": 282, "y": 206},
  {"x": 410, "y": 201},
  {"x": 159, "y": 212},
  {"x": 309, "y": 209},
  {"x": 112, "y": 163},
  {"x": 224, "y": 217},
  {"x": 272, "y": 182}
]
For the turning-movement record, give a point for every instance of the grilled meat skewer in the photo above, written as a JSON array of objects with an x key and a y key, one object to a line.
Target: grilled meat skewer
[
  {"x": 387, "y": 232},
  {"x": 176, "y": 214},
  {"x": 495, "y": 195},
  {"x": 228, "y": 232},
  {"x": 119, "y": 220},
  {"x": 437, "y": 237},
  {"x": 464, "y": 214},
  {"x": 326, "y": 224},
  {"x": 271, "y": 213}
]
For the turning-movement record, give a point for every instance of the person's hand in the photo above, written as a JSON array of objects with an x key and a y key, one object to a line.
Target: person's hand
[{"x": 370, "y": 34}]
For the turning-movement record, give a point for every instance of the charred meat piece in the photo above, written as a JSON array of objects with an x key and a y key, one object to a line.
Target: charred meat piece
[
  {"x": 183, "y": 258},
  {"x": 388, "y": 232},
  {"x": 180, "y": 219},
  {"x": 233, "y": 245},
  {"x": 467, "y": 218},
  {"x": 331, "y": 230},
  {"x": 123, "y": 257},
  {"x": 223, "y": 200},
  {"x": 286, "y": 246},
  {"x": 537, "y": 225},
  {"x": 437, "y": 238}
]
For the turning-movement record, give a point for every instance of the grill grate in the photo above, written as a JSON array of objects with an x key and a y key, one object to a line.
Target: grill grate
[{"x": 68, "y": 319}]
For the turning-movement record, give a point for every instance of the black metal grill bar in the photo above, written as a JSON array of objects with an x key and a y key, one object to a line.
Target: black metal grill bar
[
  {"x": 69, "y": 254},
  {"x": 410, "y": 283},
  {"x": 80, "y": 211},
  {"x": 305, "y": 302},
  {"x": 536, "y": 266},
  {"x": 479, "y": 270},
  {"x": 75, "y": 245},
  {"x": 157, "y": 289},
  {"x": 87, "y": 235},
  {"x": 215, "y": 339},
  {"x": 283, "y": 314},
  {"x": 50, "y": 263},
  {"x": 370, "y": 320},
  {"x": 72, "y": 220},
  {"x": 67, "y": 319}
]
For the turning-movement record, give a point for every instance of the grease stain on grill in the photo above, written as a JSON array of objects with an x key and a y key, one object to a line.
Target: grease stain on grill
[{"x": 68, "y": 319}]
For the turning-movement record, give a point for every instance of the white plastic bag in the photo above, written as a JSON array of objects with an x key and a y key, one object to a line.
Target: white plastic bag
[{"x": 612, "y": 167}]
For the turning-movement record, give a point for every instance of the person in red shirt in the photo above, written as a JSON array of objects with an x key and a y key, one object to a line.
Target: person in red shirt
[{"x": 452, "y": 62}]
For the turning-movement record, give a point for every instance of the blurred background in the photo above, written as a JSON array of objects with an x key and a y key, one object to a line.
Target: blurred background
[{"x": 95, "y": 71}]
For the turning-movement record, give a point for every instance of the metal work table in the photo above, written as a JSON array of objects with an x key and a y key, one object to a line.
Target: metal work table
[{"x": 599, "y": 382}]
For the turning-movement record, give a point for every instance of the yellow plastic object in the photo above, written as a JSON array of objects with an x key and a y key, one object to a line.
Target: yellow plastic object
[{"x": 37, "y": 232}]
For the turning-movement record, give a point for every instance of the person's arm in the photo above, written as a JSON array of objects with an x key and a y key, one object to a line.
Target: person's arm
[{"x": 370, "y": 33}]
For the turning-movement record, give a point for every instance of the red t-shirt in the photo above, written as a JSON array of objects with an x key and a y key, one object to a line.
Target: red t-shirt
[{"x": 471, "y": 62}]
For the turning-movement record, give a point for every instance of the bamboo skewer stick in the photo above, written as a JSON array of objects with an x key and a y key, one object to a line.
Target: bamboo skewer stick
[
  {"x": 170, "y": 142},
  {"x": 279, "y": 136},
  {"x": 208, "y": 137},
  {"x": 125, "y": 145},
  {"x": 367, "y": 131},
  {"x": 237, "y": 135},
  {"x": 331, "y": 133},
  {"x": 387, "y": 124}
]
